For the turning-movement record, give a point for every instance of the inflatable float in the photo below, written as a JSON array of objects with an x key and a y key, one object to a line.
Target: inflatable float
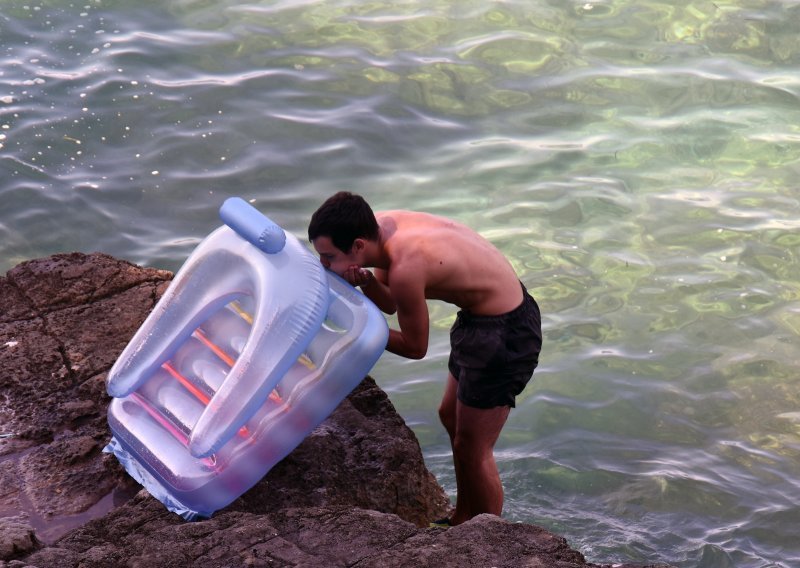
[{"x": 252, "y": 346}]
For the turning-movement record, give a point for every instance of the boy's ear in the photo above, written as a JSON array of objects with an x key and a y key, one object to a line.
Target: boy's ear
[{"x": 358, "y": 245}]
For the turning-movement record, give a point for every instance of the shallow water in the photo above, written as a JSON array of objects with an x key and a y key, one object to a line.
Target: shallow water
[{"x": 636, "y": 161}]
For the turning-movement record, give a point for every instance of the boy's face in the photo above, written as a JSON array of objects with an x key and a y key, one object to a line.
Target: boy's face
[{"x": 333, "y": 258}]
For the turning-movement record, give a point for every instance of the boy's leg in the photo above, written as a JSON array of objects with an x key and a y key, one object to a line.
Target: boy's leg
[
  {"x": 447, "y": 414},
  {"x": 447, "y": 408},
  {"x": 477, "y": 430},
  {"x": 473, "y": 434}
]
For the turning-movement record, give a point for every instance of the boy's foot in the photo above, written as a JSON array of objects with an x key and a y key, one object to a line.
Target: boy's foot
[{"x": 440, "y": 524}]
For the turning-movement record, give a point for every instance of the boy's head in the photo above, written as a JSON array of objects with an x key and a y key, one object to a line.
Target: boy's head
[{"x": 344, "y": 217}]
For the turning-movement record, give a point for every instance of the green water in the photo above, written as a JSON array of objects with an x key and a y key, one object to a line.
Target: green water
[{"x": 636, "y": 161}]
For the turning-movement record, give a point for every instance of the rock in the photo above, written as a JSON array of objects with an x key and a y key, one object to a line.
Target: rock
[
  {"x": 355, "y": 491},
  {"x": 141, "y": 534},
  {"x": 16, "y": 538}
]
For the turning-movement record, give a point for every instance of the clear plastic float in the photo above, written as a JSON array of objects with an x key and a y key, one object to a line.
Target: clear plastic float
[{"x": 250, "y": 348}]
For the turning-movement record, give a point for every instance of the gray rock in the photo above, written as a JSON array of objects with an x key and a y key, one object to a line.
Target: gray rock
[{"x": 356, "y": 492}]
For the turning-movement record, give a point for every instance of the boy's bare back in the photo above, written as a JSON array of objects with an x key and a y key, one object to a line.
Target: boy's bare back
[{"x": 456, "y": 264}]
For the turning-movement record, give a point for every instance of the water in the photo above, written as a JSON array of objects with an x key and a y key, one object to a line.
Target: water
[{"x": 636, "y": 161}]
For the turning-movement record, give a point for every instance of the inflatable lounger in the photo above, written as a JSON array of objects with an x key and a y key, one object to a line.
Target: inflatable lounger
[{"x": 250, "y": 348}]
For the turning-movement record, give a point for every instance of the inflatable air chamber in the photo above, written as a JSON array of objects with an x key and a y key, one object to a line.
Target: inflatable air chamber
[{"x": 250, "y": 348}]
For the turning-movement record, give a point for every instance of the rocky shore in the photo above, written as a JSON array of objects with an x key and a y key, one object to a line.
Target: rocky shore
[{"x": 354, "y": 493}]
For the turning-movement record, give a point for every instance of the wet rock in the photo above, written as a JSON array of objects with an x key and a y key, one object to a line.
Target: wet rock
[
  {"x": 355, "y": 491},
  {"x": 315, "y": 536},
  {"x": 16, "y": 538},
  {"x": 66, "y": 476},
  {"x": 64, "y": 321}
]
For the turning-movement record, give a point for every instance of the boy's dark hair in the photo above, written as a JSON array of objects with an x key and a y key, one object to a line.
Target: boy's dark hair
[{"x": 344, "y": 217}]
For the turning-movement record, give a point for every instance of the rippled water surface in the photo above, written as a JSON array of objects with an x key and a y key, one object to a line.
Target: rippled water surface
[{"x": 637, "y": 161}]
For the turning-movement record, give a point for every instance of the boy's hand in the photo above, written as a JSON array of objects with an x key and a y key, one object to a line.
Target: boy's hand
[{"x": 358, "y": 276}]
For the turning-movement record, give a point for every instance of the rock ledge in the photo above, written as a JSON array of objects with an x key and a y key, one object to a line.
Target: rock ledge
[{"x": 355, "y": 493}]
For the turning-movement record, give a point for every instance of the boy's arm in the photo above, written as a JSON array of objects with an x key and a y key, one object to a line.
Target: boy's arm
[
  {"x": 374, "y": 286},
  {"x": 377, "y": 290},
  {"x": 408, "y": 291},
  {"x": 406, "y": 296}
]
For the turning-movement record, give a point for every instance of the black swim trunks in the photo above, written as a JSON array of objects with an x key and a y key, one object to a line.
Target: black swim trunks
[{"x": 493, "y": 357}]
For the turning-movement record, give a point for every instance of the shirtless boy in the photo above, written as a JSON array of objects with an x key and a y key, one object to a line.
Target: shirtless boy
[{"x": 494, "y": 342}]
